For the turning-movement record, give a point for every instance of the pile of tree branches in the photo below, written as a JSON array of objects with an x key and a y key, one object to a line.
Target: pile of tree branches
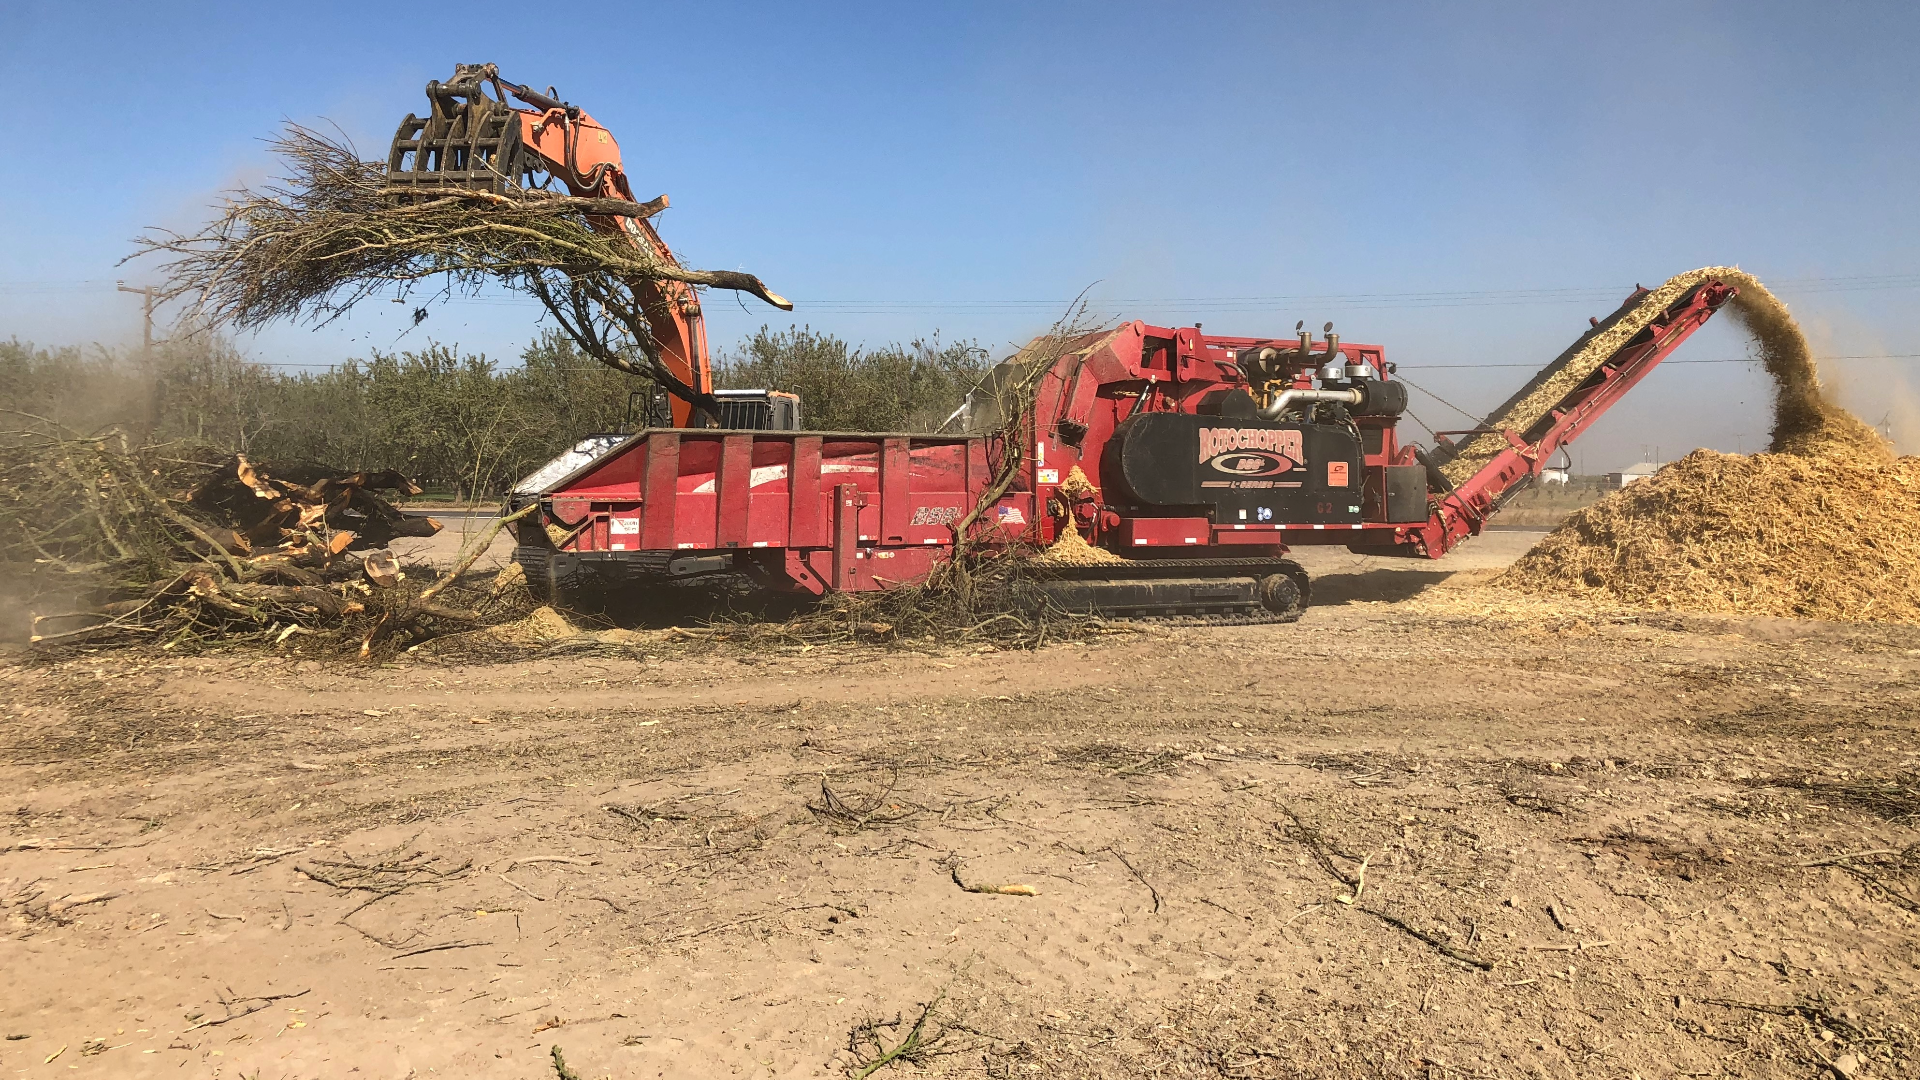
[
  {"x": 176, "y": 546},
  {"x": 333, "y": 232}
]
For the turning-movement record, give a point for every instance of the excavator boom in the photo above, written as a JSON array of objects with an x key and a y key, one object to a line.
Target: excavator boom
[{"x": 471, "y": 138}]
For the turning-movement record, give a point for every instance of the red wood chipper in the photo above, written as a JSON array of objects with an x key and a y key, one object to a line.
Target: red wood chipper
[{"x": 1206, "y": 459}]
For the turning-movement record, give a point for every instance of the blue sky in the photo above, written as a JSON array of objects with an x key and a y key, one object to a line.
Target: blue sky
[{"x": 1422, "y": 175}]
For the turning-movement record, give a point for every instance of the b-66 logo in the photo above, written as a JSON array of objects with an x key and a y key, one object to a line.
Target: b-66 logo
[
  {"x": 1250, "y": 451},
  {"x": 1250, "y": 463}
]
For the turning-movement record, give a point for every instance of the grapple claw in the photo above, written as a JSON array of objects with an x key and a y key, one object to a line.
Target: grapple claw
[{"x": 469, "y": 139}]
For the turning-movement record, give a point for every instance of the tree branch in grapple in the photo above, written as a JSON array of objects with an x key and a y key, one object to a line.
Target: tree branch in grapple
[{"x": 332, "y": 233}]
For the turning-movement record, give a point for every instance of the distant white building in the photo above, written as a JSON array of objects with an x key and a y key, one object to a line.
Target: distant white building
[
  {"x": 1631, "y": 473},
  {"x": 1554, "y": 476}
]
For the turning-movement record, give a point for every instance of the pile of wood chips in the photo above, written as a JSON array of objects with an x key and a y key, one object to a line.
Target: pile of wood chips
[
  {"x": 1824, "y": 537},
  {"x": 1826, "y": 525},
  {"x": 1070, "y": 548}
]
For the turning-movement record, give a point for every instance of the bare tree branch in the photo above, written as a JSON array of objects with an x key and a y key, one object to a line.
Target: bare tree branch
[{"x": 333, "y": 233}]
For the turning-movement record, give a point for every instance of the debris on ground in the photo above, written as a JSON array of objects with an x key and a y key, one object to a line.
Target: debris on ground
[
  {"x": 987, "y": 598},
  {"x": 1824, "y": 525},
  {"x": 183, "y": 547}
]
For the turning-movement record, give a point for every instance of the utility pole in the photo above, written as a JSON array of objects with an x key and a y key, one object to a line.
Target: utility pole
[{"x": 146, "y": 331}]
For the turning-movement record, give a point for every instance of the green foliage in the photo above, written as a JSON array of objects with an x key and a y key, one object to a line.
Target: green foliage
[
  {"x": 455, "y": 422},
  {"x": 910, "y": 388}
]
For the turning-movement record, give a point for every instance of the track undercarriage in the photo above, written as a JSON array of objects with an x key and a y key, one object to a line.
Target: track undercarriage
[{"x": 1255, "y": 590}]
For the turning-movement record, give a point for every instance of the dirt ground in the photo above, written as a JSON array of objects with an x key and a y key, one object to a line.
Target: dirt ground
[{"x": 1428, "y": 831}]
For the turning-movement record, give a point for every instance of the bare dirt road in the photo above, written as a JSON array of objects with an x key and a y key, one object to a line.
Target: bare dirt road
[{"x": 1424, "y": 832}]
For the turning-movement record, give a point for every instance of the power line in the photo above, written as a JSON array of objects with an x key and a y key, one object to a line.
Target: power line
[
  {"x": 326, "y": 365},
  {"x": 1728, "y": 360},
  {"x": 1431, "y": 298},
  {"x": 1442, "y": 401}
]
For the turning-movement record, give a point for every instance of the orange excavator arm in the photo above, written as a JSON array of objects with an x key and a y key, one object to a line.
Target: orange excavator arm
[{"x": 474, "y": 140}]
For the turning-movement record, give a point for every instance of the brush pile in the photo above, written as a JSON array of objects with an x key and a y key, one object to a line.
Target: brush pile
[
  {"x": 1825, "y": 525},
  {"x": 989, "y": 598},
  {"x": 161, "y": 544},
  {"x": 333, "y": 232}
]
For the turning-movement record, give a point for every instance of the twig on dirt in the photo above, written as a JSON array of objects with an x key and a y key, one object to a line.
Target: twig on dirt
[
  {"x": 439, "y": 948},
  {"x": 227, "y": 1002},
  {"x": 1814, "y": 1013},
  {"x": 913, "y": 1048},
  {"x": 705, "y": 930},
  {"x": 1446, "y": 949},
  {"x": 953, "y": 868},
  {"x": 570, "y": 860},
  {"x": 645, "y": 823},
  {"x": 560, "y": 1066},
  {"x": 1310, "y": 837},
  {"x": 1142, "y": 878},
  {"x": 400, "y": 943},
  {"x": 221, "y": 915},
  {"x": 1143, "y": 764},
  {"x": 383, "y": 879},
  {"x": 1538, "y": 803},
  {"x": 1837, "y": 860},
  {"x": 646, "y": 817},
  {"x": 27, "y": 900},
  {"x": 1316, "y": 846},
  {"x": 850, "y": 818},
  {"x": 1303, "y": 911},
  {"x": 521, "y": 887},
  {"x": 1226, "y": 909}
]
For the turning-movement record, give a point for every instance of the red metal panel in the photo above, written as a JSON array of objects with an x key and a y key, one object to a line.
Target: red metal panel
[
  {"x": 887, "y": 568},
  {"x": 693, "y": 528},
  {"x": 894, "y": 500},
  {"x": 767, "y": 518},
  {"x": 807, "y": 524},
  {"x": 735, "y": 486},
  {"x": 657, "y": 495}
]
